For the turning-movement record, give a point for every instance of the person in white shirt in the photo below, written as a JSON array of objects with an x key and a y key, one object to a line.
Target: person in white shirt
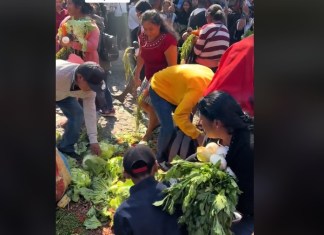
[
  {"x": 133, "y": 21},
  {"x": 78, "y": 81},
  {"x": 118, "y": 22},
  {"x": 167, "y": 12}
]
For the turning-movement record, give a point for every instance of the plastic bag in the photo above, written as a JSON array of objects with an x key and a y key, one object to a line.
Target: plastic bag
[{"x": 63, "y": 175}]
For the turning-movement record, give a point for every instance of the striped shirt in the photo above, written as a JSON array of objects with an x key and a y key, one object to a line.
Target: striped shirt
[{"x": 210, "y": 53}]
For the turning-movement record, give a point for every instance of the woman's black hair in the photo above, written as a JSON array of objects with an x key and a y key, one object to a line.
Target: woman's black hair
[
  {"x": 190, "y": 6},
  {"x": 142, "y": 6},
  {"x": 219, "y": 105},
  {"x": 154, "y": 17},
  {"x": 216, "y": 12},
  {"x": 85, "y": 9}
]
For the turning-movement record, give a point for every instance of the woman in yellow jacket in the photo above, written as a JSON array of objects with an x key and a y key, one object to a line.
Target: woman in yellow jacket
[{"x": 177, "y": 89}]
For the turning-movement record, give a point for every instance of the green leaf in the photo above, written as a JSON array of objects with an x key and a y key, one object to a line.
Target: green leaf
[
  {"x": 94, "y": 164},
  {"x": 159, "y": 203},
  {"x": 220, "y": 202},
  {"x": 80, "y": 178},
  {"x": 91, "y": 212},
  {"x": 107, "y": 150},
  {"x": 75, "y": 195},
  {"x": 86, "y": 193},
  {"x": 92, "y": 223},
  {"x": 80, "y": 147}
]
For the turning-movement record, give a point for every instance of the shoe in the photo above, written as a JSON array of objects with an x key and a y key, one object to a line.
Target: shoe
[
  {"x": 110, "y": 113},
  {"x": 165, "y": 166},
  {"x": 72, "y": 154}
]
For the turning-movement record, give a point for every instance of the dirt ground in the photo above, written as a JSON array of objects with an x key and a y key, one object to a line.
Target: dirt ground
[{"x": 123, "y": 122}]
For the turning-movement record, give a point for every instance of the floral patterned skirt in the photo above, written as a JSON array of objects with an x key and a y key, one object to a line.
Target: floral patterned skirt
[{"x": 142, "y": 92}]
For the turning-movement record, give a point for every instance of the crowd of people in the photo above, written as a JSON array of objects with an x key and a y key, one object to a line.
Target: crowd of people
[{"x": 220, "y": 85}]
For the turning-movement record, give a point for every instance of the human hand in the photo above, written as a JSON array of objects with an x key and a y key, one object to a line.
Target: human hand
[
  {"x": 137, "y": 81},
  {"x": 185, "y": 35},
  {"x": 171, "y": 8},
  {"x": 95, "y": 148}
]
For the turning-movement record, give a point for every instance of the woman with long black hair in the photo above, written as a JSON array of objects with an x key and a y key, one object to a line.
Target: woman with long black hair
[{"x": 222, "y": 118}]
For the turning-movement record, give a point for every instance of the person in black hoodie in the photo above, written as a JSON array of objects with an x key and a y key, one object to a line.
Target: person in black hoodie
[
  {"x": 137, "y": 215},
  {"x": 222, "y": 118},
  {"x": 197, "y": 17}
]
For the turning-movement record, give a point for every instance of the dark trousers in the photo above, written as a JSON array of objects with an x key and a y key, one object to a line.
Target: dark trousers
[{"x": 74, "y": 113}]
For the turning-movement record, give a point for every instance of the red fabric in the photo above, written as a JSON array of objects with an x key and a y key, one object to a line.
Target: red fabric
[
  {"x": 60, "y": 187},
  {"x": 235, "y": 74},
  {"x": 59, "y": 17},
  {"x": 153, "y": 52}
]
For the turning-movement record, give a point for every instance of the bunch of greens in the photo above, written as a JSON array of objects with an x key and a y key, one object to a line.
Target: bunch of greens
[
  {"x": 206, "y": 195},
  {"x": 64, "y": 53},
  {"x": 129, "y": 60},
  {"x": 187, "y": 47}
]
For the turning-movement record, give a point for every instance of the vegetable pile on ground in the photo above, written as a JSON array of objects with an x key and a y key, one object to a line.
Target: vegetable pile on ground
[
  {"x": 205, "y": 194},
  {"x": 99, "y": 181},
  {"x": 97, "y": 185}
]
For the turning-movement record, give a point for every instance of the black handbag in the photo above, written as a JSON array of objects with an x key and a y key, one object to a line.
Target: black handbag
[
  {"x": 108, "y": 49},
  {"x": 192, "y": 56}
]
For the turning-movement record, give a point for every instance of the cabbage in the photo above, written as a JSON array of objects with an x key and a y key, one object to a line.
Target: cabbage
[
  {"x": 94, "y": 164},
  {"x": 80, "y": 178},
  {"x": 120, "y": 192},
  {"x": 107, "y": 150},
  {"x": 115, "y": 167}
]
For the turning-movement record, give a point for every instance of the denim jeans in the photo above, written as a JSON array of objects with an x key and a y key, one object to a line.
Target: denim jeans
[
  {"x": 74, "y": 113},
  {"x": 164, "y": 111},
  {"x": 104, "y": 100},
  {"x": 243, "y": 227}
]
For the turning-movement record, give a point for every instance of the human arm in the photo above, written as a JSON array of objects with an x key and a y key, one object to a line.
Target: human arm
[
  {"x": 139, "y": 67},
  {"x": 182, "y": 114},
  {"x": 242, "y": 21},
  {"x": 171, "y": 55},
  {"x": 90, "y": 118}
]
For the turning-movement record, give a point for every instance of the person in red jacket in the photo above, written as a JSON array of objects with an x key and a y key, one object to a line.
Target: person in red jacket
[{"x": 235, "y": 74}]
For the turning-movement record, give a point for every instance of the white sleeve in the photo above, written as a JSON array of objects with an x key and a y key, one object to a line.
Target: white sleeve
[{"x": 90, "y": 117}]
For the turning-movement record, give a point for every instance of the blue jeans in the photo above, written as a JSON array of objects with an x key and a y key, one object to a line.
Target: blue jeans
[
  {"x": 243, "y": 227},
  {"x": 104, "y": 100},
  {"x": 164, "y": 111},
  {"x": 74, "y": 113}
]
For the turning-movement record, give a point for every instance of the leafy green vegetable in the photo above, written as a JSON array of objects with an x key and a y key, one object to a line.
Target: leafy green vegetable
[
  {"x": 94, "y": 164},
  {"x": 115, "y": 168},
  {"x": 206, "y": 195},
  {"x": 72, "y": 162},
  {"x": 92, "y": 223},
  {"x": 80, "y": 178},
  {"x": 128, "y": 61},
  {"x": 80, "y": 147},
  {"x": 107, "y": 150},
  {"x": 91, "y": 212},
  {"x": 187, "y": 47}
]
